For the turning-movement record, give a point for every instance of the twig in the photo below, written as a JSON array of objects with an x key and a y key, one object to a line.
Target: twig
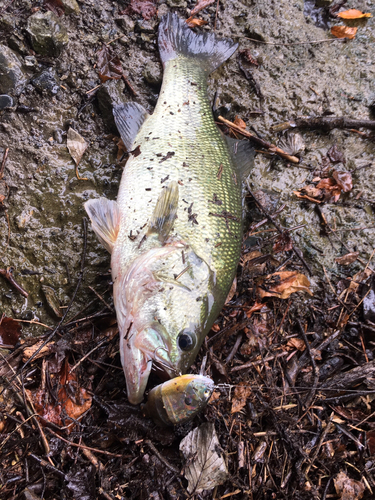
[
  {"x": 327, "y": 123},
  {"x": 161, "y": 458},
  {"x": 96, "y": 450},
  {"x": 312, "y": 392},
  {"x": 88, "y": 354},
  {"x": 8, "y": 274},
  {"x": 249, "y": 364},
  {"x": 265, "y": 144},
  {"x": 101, "y": 298},
  {"x": 280, "y": 230},
  {"x": 234, "y": 350},
  {"x": 3, "y": 163},
  {"x": 320, "y": 442},
  {"x": 294, "y": 43}
]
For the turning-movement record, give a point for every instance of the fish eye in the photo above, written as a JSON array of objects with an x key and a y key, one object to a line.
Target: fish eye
[{"x": 186, "y": 341}]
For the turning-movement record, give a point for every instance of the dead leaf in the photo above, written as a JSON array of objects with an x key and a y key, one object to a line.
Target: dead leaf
[
  {"x": 296, "y": 343},
  {"x": 205, "y": 465},
  {"x": 55, "y": 6},
  {"x": 76, "y": 145},
  {"x": 72, "y": 399},
  {"x": 343, "y": 32},
  {"x": 344, "y": 180},
  {"x": 283, "y": 284},
  {"x": 232, "y": 291},
  {"x": 193, "y": 23},
  {"x": 358, "y": 278},
  {"x": 349, "y": 489},
  {"x": 201, "y": 4},
  {"x": 283, "y": 243},
  {"x": 370, "y": 441},
  {"x": 240, "y": 395},
  {"x": 10, "y": 331},
  {"x": 146, "y": 8},
  {"x": 347, "y": 259},
  {"x": 352, "y": 14},
  {"x": 108, "y": 66},
  {"x": 335, "y": 154}
]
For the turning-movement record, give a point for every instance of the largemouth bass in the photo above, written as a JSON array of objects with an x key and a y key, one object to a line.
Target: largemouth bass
[{"x": 175, "y": 231}]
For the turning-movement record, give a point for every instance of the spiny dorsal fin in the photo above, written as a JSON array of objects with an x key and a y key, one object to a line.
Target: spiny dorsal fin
[
  {"x": 165, "y": 212},
  {"x": 105, "y": 220},
  {"x": 129, "y": 118},
  {"x": 242, "y": 154}
]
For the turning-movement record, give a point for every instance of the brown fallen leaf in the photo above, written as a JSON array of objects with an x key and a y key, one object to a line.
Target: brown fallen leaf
[
  {"x": 193, "y": 23},
  {"x": 349, "y": 489},
  {"x": 283, "y": 284},
  {"x": 146, "y": 8},
  {"x": 343, "y": 32},
  {"x": 347, "y": 259},
  {"x": 283, "y": 243},
  {"x": 344, "y": 180},
  {"x": 359, "y": 278},
  {"x": 108, "y": 65},
  {"x": 76, "y": 145},
  {"x": 55, "y": 6},
  {"x": 335, "y": 154},
  {"x": 232, "y": 291},
  {"x": 353, "y": 14},
  {"x": 296, "y": 343},
  {"x": 10, "y": 331},
  {"x": 240, "y": 396}
]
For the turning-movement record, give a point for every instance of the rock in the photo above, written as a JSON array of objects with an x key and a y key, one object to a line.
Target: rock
[
  {"x": 48, "y": 37},
  {"x": 153, "y": 74},
  {"x": 70, "y": 6},
  {"x": 12, "y": 77},
  {"x": 31, "y": 62},
  {"x": 46, "y": 81},
  {"x": 17, "y": 44},
  {"x": 111, "y": 92},
  {"x": 6, "y": 101}
]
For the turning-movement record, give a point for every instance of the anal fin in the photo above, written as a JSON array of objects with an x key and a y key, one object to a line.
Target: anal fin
[
  {"x": 165, "y": 211},
  {"x": 129, "y": 118},
  {"x": 105, "y": 219}
]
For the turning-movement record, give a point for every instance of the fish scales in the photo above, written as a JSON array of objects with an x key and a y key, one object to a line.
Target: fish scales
[
  {"x": 175, "y": 230},
  {"x": 200, "y": 152}
]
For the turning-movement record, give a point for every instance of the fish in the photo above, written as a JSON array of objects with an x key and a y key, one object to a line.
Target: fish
[
  {"x": 178, "y": 400},
  {"x": 175, "y": 231}
]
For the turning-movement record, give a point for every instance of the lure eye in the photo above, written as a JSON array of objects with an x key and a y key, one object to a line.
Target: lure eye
[
  {"x": 186, "y": 341},
  {"x": 188, "y": 401}
]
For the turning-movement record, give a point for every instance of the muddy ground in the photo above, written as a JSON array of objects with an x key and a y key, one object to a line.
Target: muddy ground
[{"x": 297, "y": 428}]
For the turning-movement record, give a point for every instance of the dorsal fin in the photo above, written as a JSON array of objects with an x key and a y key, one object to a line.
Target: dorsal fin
[
  {"x": 165, "y": 212},
  {"x": 129, "y": 119},
  {"x": 105, "y": 220},
  {"x": 242, "y": 154}
]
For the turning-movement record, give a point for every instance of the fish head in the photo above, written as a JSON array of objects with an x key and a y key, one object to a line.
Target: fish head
[{"x": 164, "y": 306}]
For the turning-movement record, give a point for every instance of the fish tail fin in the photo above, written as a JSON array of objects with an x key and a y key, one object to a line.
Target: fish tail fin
[{"x": 176, "y": 38}]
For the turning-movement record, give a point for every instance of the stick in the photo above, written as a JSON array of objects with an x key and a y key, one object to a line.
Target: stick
[{"x": 269, "y": 146}]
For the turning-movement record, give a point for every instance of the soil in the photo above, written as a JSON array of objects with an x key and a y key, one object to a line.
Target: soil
[{"x": 297, "y": 428}]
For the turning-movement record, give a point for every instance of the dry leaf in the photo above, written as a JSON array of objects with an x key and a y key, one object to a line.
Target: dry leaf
[
  {"x": 296, "y": 343},
  {"x": 358, "y": 278},
  {"x": 55, "y": 6},
  {"x": 335, "y": 154},
  {"x": 283, "y": 243},
  {"x": 343, "y": 32},
  {"x": 146, "y": 8},
  {"x": 241, "y": 393},
  {"x": 352, "y": 14},
  {"x": 344, "y": 180},
  {"x": 76, "y": 145},
  {"x": 205, "y": 465},
  {"x": 283, "y": 284},
  {"x": 201, "y": 4},
  {"x": 232, "y": 291},
  {"x": 10, "y": 331},
  {"x": 347, "y": 259},
  {"x": 108, "y": 66},
  {"x": 193, "y": 23},
  {"x": 349, "y": 489}
]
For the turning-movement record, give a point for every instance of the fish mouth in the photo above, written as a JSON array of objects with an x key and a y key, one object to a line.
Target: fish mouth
[{"x": 141, "y": 350}]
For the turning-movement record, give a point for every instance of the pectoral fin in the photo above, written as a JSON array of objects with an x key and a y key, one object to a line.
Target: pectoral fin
[
  {"x": 165, "y": 212},
  {"x": 129, "y": 118},
  {"x": 105, "y": 220},
  {"x": 242, "y": 154}
]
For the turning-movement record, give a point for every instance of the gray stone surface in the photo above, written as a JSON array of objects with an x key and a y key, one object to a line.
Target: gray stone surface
[
  {"x": 47, "y": 34},
  {"x": 12, "y": 77}
]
